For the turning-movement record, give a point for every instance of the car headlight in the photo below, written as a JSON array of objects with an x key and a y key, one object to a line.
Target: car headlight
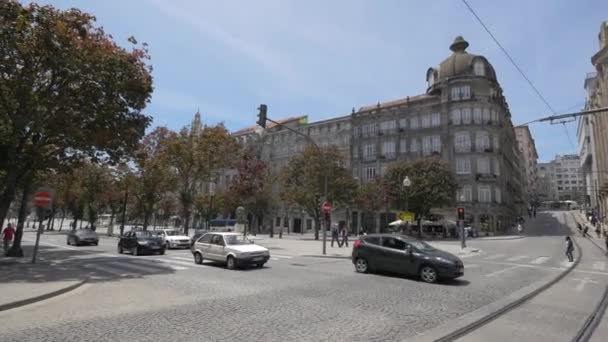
[{"x": 444, "y": 260}]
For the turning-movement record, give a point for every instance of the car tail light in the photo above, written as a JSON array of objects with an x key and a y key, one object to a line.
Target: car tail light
[{"x": 357, "y": 243}]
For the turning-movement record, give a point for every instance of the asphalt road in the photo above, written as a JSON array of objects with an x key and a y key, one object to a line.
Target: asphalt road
[{"x": 293, "y": 298}]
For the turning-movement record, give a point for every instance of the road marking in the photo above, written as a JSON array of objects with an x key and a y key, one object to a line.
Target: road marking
[
  {"x": 470, "y": 265},
  {"x": 517, "y": 258},
  {"x": 541, "y": 267},
  {"x": 493, "y": 274},
  {"x": 175, "y": 261},
  {"x": 540, "y": 260},
  {"x": 164, "y": 265},
  {"x": 107, "y": 270},
  {"x": 495, "y": 256},
  {"x": 282, "y": 256},
  {"x": 136, "y": 268},
  {"x": 566, "y": 263},
  {"x": 582, "y": 282},
  {"x": 599, "y": 265},
  {"x": 52, "y": 244},
  {"x": 181, "y": 258}
]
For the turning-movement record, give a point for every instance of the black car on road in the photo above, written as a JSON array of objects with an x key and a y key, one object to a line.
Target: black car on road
[
  {"x": 78, "y": 237},
  {"x": 140, "y": 242},
  {"x": 405, "y": 255}
]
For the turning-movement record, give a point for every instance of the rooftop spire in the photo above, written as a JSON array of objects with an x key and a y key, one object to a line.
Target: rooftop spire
[{"x": 459, "y": 44}]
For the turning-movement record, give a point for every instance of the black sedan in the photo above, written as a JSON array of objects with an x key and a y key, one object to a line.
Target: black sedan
[
  {"x": 140, "y": 242},
  {"x": 401, "y": 254},
  {"x": 78, "y": 237}
]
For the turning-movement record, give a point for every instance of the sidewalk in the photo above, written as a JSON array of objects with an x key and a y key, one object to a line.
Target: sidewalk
[
  {"x": 23, "y": 283},
  {"x": 314, "y": 248},
  {"x": 591, "y": 235}
]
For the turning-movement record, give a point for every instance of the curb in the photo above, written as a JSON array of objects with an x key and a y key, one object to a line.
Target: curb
[
  {"x": 327, "y": 256},
  {"x": 40, "y": 298}
]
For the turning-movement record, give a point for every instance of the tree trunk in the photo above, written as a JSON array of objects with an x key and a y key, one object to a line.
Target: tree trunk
[
  {"x": 16, "y": 250},
  {"x": 317, "y": 225},
  {"x": 377, "y": 222},
  {"x": 419, "y": 227},
  {"x": 186, "y": 221},
  {"x": 48, "y": 223},
  {"x": 8, "y": 195},
  {"x": 110, "y": 230},
  {"x": 62, "y": 218},
  {"x": 146, "y": 220}
]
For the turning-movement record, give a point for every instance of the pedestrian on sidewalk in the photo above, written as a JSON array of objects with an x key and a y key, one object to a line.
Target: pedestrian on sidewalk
[
  {"x": 534, "y": 212},
  {"x": 334, "y": 236},
  {"x": 569, "y": 249},
  {"x": 7, "y": 237},
  {"x": 598, "y": 232},
  {"x": 585, "y": 230},
  {"x": 344, "y": 236}
]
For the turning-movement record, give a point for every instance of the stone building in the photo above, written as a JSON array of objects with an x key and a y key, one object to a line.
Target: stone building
[
  {"x": 586, "y": 145},
  {"x": 565, "y": 179},
  {"x": 527, "y": 149},
  {"x": 462, "y": 118}
]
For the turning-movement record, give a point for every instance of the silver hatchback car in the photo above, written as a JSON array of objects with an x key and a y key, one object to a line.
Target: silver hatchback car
[{"x": 229, "y": 248}]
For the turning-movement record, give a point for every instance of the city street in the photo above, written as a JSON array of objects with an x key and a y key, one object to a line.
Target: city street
[{"x": 293, "y": 298}]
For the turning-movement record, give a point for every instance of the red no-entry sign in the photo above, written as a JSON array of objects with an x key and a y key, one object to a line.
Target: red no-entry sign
[
  {"x": 326, "y": 207},
  {"x": 42, "y": 199}
]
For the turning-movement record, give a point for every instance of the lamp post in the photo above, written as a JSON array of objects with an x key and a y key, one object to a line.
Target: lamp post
[
  {"x": 406, "y": 184},
  {"x": 463, "y": 238}
]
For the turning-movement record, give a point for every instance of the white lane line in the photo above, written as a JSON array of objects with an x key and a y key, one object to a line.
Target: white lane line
[
  {"x": 183, "y": 263},
  {"x": 495, "y": 256},
  {"x": 566, "y": 263},
  {"x": 470, "y": 265},
  {"x": 282, "y": 256},
  {"x": 112, "y": 271},
  {"x": 493, "y": 274},
  {"x": 164, "y": 265},
  {"x": 540, "y": 260},
  {"x": 182, "y": 258},
  {"x": 599, "y": 265},
  {"x": 136, "y": 268},
  {"x": 517, "y": 258}
]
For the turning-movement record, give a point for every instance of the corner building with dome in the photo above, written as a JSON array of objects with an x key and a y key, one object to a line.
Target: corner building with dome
[{"x": 464, "y": 119}]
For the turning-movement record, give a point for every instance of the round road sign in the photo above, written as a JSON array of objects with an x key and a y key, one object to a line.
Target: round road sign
[
  {"x": 42, "y": 199},
  {"x": 326, "y": 207}
]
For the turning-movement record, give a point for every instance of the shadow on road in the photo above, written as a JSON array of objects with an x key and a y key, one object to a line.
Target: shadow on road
[{"x": 546, "y": 223}]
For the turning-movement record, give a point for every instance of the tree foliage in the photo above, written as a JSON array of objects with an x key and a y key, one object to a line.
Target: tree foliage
[{"x": 303, "y": 181}]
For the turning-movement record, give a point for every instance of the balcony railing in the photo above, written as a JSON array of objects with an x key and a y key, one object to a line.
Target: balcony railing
[{"x": 485, "y": 177}]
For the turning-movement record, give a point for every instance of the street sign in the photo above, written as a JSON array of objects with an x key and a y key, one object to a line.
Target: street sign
[
  {"x": 326, "y": 207},
  {"x": 407, "y": 216},
  {"x": 43, "y": 199}
]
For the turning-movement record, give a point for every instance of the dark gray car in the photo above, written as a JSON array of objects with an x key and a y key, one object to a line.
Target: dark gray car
[
  {"x": 402, "y": 254},
  {"x": 78, "y": 237}
]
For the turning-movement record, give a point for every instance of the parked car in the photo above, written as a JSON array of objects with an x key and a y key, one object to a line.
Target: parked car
[
  {"x": 173, "y": 238},
  {"x": 405, "y": 255},
  {"x": 140, "y": 242},
  {"x": 229, "y": 248},
  {"x": 197, "y": 235},
  {"x": 78, "y": 237}
]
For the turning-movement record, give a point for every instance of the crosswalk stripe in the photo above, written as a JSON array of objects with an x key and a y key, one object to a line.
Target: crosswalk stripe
[
  {"x": 540, "y": 260},
  {"x": 282, "y": 256},
  {"x": 495, "y": 256},
  {"x": 165, "y": 265},
  {"x": 107, "y": 270},
  {"x": 183, "y": 263},
  {"x": 493, "y": 274},
  {"x": 470, "y": 265},
  {"x": 599, "y": 265},
  {"x": 136, "y": 268},
  {"x": 517, "y": 258},
  {"x": 182, "y": 258}
]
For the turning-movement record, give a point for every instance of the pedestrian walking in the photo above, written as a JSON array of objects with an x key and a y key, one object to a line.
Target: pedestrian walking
[
  {"x": 7, "y": 237},
  {"x": 579, "y": 226},
  {"x": 534, "y": 212},
  {"x": 598, "y": 232},
  {"x": 569, "y": 249},
  {"x": 585, "y": 230},
  {"x": 344, "y": 236},
  {"x": 334, "y": 236},
  {"x": 520, "y": 228}
]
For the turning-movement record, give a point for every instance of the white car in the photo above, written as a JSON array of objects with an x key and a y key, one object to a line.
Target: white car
[
  {"x": 174, "y": 239},
  {"x": 229, "y": 248}
]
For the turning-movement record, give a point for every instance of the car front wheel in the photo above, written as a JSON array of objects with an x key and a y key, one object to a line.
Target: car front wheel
[
  {"x": 428, "y": 274},
  {"x": 119, "y": 248},
  {"x": 198, "y": 258},
  {"x": 361, "y": 265},
  {"x": 135, "y": 251},
  {"x": 231, "y": 263}
]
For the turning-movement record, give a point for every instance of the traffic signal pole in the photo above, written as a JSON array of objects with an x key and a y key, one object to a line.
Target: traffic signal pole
[{"x": 463, "y": 242}]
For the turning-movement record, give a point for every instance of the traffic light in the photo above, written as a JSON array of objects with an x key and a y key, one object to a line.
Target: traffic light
[
  {"x": 262, "y": 115},
  {"x": 461, "y": 213}
]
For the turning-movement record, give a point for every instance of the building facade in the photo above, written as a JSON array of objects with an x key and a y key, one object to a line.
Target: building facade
[
  {"x": 546, "y": 188},
  {"x": 586, "y": 145},
  {"x": 567, "y": 181},
  {"x": 527, "y": 149},
  {"x": 598, "y": 98}
]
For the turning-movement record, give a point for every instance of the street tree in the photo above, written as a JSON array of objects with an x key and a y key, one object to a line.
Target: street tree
[
  {"x": 372, "y": 196},
  {"x": 303, "y": 181},
  {"x": 432, "y": 185},
  {"x": 197, "y": 153},
  {"x": 67, "y": 91}
]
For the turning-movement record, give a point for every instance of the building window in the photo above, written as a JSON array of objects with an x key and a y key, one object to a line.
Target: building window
[
  {"x": 463, "y": 166},
  {"x": 484, "y": 194},
  {"x": 482, "y": 141},
  {"x": 435, "y": 119},
  {"x": 356, "y": 152},
  {"x": 462, "y": 142},
  {"x": 479, "y": 68},
  {"x": 414, "y": 122},
  {"x": 414, "y": 146},
  {"x": 477, "y": 116},
  {"x": 456, "y": 117},
  {"x": 426, "y": 146},
  {"x": 388, "y": 126},
  {"x": 426, "y": 121},
  {"x": 402, "y": 123},
  {"x": 466, "y": 116},
  {"x": 369, "y": 150},
  {"x": 483, "y": 165},
  {"x": 496, "y": 167},
  {"x": 465, "y": 92},
  {"x": 494, "y": 116},
  {"x": 436, "y": 143},
  {"x": 388, "y": 149},
  {"x": 496, "y": 145},
  {"x": 486, "y": 116},
  {"x": 403, "y": 145},
  {"x": 455, "y": 93},
  {"x": 497, "y": 195},
  {"x": 464, "y": 194},
  {"x": 370, "y": 172}
]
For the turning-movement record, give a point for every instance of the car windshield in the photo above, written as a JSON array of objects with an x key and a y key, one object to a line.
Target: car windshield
[
  {"x": 171, "y": 232},
  {"x": 85, "y": 232},
  {"x": 423, "y": 246},
  {"x": 234, "y": 240},
  {"x": 143, "y": 234}
]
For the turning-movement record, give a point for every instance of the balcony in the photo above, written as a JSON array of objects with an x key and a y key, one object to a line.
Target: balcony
[
  {"x": 485, "y": 177},
  {"x": 369, "y": 158}
]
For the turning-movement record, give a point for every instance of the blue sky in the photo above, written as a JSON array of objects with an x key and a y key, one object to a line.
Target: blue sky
[{"x": 321, "y": 58}]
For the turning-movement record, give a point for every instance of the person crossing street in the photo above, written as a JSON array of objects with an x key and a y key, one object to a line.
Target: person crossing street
[
  {"x": 7, "y": 237},
  {"x": 569, "y": 249}
]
